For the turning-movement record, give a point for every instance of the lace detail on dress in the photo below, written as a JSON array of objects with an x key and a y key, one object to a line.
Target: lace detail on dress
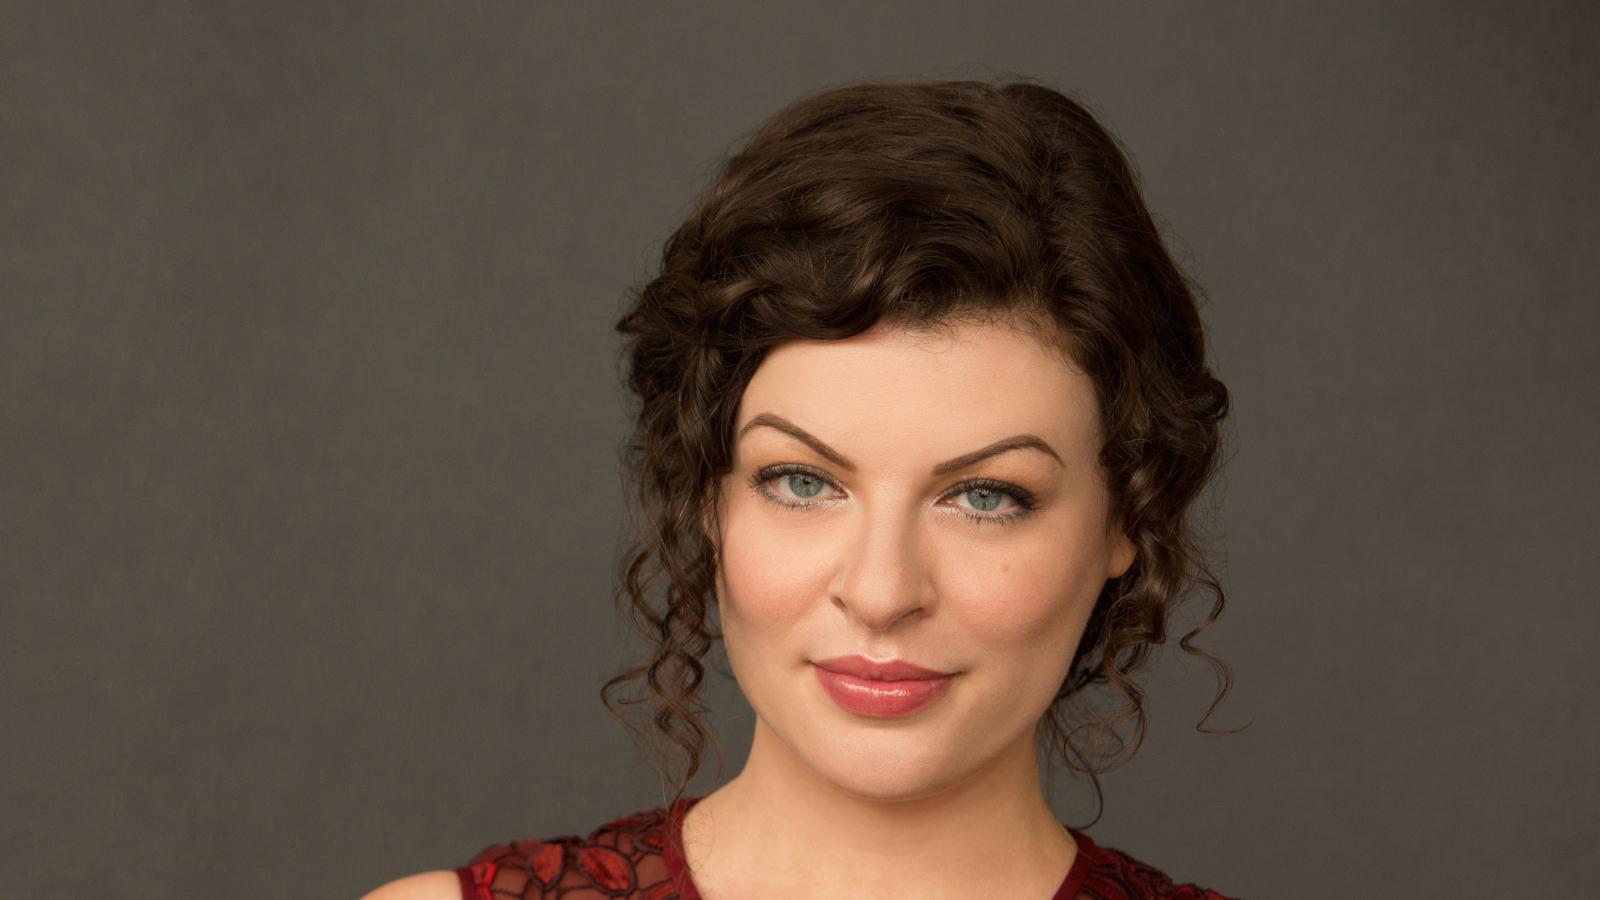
[
  {"x": 1114, "y": 875},
  {"x": 622, "y": 858},
  {"x": 627, "y": 858}
]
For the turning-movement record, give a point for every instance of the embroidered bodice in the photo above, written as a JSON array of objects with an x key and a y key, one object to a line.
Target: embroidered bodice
[{"x": 631, "y": 858}]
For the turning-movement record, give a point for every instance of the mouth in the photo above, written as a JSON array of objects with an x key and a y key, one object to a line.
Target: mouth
[{"x": 884, "y": 690}]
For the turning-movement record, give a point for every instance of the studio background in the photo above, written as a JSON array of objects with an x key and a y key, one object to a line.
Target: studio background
[{"x": 309, "y": 415}]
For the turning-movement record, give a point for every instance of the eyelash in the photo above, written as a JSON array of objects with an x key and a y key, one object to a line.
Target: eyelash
[{"x": 1024, "y": 499}]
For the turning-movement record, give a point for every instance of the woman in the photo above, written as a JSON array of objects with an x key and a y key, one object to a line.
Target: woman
[{"x": 922, "y": 411}]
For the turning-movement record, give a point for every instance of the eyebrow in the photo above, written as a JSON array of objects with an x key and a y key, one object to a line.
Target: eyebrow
[{"x": 1015, "y": 442}]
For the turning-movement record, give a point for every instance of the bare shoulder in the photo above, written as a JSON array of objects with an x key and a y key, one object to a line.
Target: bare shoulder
[{"x": 440, "y": 885}]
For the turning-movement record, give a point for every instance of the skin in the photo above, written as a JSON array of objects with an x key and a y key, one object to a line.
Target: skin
[{"x": 946, "y": 802}]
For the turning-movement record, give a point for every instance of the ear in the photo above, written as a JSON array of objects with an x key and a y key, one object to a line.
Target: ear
[
  {"x": 708, "y": 516},
  {"x": 1122, "y": 552}
]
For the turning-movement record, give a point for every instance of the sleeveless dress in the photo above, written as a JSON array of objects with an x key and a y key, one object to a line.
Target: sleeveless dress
[{"x": 631, "y": 858}]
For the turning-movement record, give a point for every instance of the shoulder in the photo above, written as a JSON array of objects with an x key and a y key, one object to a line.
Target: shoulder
[
  {"x": 625, "y": 857},
  {"x": 440, "y": 885},
  {"x": 1114, "y": 873}
]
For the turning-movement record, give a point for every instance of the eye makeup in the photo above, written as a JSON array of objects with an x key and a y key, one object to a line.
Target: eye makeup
[{"x": 1024, "y": 500}]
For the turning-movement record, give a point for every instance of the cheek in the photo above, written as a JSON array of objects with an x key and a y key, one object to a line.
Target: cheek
[
  {"x": 766, "y": 588},
  {"x": 1032, "y": 597},
  {"x": 768, "y": 578}
]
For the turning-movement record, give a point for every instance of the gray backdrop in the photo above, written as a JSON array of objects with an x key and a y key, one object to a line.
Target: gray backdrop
[{"x": 309, "y": 493}]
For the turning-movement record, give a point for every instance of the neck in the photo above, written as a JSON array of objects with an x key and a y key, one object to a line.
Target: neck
[{"x": 779, "y": 816}]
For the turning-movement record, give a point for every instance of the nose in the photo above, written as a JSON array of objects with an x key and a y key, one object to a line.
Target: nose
[{"x": 884, "y": 577}]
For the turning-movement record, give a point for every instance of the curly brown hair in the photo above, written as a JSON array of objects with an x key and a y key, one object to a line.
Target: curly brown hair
[{"x": 921, "y": 204}]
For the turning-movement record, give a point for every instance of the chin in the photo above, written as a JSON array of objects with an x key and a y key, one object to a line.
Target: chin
[
  {"x": 886, "y": 786},
  {"x": 889, "y": 765}
]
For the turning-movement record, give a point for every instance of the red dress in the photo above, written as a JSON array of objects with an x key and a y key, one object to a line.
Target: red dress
[{"x": 630, "y": 857}]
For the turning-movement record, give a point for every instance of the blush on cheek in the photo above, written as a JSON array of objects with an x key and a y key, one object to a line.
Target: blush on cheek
[
  {"x": 766, "y": 581},
  {"x": 760, "y": 575},
  {"x": 1019, "y": 602}
]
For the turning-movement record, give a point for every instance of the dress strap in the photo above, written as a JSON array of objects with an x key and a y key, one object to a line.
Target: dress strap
[{"x": 475, "y": 880}]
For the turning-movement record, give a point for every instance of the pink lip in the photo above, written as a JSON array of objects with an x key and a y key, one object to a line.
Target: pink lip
[
  {"x": 889, "y": 670},
  {"x": 881, "y": 690}
]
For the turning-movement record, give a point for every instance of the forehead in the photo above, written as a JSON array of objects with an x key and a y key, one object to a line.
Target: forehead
[{"x": 968, "y": 383}]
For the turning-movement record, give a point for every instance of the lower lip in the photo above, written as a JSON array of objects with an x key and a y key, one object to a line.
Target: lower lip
[{"x": 882, "y": 699}]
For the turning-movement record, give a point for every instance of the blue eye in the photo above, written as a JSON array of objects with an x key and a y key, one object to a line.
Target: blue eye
[
  {"x": 991, "y": 497},
  {"x": 803, "y": 485},
  {"x": 806, "y": 483}
]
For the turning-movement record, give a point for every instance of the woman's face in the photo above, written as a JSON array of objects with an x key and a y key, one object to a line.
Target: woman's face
[{"x": 884, "y": 552}]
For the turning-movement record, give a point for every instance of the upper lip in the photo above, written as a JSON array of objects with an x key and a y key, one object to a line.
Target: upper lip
[{"x": 888, "y": 670}]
